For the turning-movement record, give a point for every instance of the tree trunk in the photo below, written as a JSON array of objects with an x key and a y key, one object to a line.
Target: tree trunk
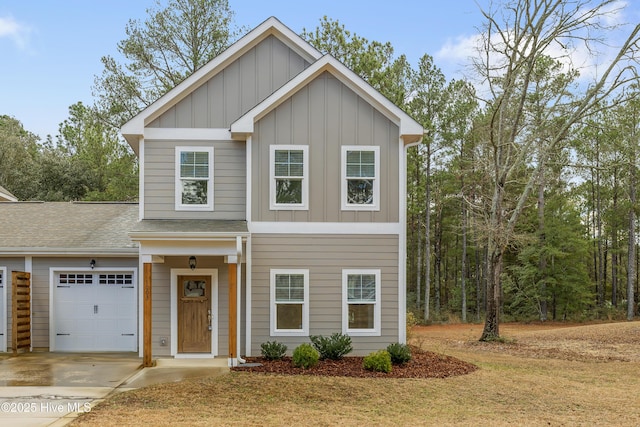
[
  {"x": 614, "y": 243},
  {"x": 418, "y": 238},
  {"x": 542, "y": 262},
  {"x": 478, "y": 282},
  {"x": 437, "y": 262},
  {"x": 463, "y": 266},
  {"x": 494, "y": 290},
  {"x": 419, "y": 271},
  {"x": 427, "y": 236},
  {"x": 632, "y": 231},
  {"x": 601, "y": 267}
]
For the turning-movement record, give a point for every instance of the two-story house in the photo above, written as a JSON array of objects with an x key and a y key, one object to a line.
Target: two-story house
[{"x": 272, "y": 206}]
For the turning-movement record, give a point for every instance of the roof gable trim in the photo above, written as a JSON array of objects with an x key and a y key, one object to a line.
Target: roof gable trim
[
  {"x": 410, "y": 130},
  {"x": 134, "y": 128}
]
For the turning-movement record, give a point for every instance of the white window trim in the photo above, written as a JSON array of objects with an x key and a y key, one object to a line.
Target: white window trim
[
  {"x": 272, "y": 179},
  {"x": 178, "y": 184},
  {"x": 305, "y": 305},
  {"x": 376, "y": 330},
  {"x": 375, "y": 206}
]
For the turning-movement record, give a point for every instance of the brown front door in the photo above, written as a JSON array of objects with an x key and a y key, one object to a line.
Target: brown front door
[{"x": 194, "y": 314}]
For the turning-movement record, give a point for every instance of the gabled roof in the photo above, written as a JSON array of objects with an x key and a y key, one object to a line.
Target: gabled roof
[
  {"x": 410, "y": 130},
  {"x": 133, "y": 129},
  {"x": 5, "y": 196},
  {"x": 67, "y": 228}
]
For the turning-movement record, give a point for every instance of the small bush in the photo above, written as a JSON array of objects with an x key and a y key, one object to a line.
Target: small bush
[
  {"x": 273, "y": 350},
  {"x": 400, "y": 353},
  {"x": 379, "y": 361},
  {"x": 305, "y": 356},
  {"x": 333, "y": 347}
]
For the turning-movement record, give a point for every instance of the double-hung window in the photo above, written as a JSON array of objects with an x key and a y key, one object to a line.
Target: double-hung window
[
  {"x": 360, "y": 178},
  {"x": 290, "y": 302},
  {"x": 361, "y": 302},
  {"x": 194, "y": 178},
  {"x": 289, "y": 172}
]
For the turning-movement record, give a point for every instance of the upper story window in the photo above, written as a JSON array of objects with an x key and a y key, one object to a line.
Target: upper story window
[
  {"x": 360, "y": 178},
  {"x": 194, "y": 178},
  {"x": 289, "y": 171}
]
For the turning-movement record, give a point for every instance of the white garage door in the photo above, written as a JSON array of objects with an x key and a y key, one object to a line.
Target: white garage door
[{"x": 95, "y": 311}]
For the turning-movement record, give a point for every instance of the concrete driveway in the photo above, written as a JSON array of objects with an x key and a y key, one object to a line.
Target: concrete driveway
[
  {"x": 51, "y": 389},
  {"x": 48, "y": 389}
]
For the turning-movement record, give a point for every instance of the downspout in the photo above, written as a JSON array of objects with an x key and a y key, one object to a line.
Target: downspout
[{"x": 239, "y": 295}]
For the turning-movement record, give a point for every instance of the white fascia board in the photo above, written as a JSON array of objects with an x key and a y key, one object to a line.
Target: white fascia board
[
  {"x": 69, "y": 252},
  {"x": 379, "y": 228},
  {"x": 271, "y": 26},
  {"x": 200, "y": 248},
  {"x": 8, "y": 197},
  {"x": 410, "y": 130},
  {"x": 192, "y": 236}
]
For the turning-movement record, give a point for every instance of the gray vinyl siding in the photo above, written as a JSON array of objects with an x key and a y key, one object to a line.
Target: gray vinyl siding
[
  {"x": 161, "y": 300},
  {"x": 12, "y": 264},
  {"x": 325, "y": 256},
  {"x": 236, "y": 89},
  {"x": 229, "y": 177},
  {"x": 40, "y": 288},
  {"x": 326, "y": 115}
]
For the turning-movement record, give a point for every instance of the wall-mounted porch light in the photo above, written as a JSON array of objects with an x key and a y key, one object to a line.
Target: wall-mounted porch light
[
  {"x": 92, "y": 264},
  {"x": 192, "y": 262}
]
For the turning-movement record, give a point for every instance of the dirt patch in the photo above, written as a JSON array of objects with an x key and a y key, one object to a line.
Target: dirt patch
[{"x": 423, "y": 364}]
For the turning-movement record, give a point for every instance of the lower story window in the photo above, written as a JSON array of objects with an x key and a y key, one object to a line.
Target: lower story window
[
  {"x": 361, "y": 302},
  {"x": 290, "y": 302}
]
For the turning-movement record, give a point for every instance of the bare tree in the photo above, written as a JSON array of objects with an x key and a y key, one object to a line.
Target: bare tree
[{"x": 516, "y": 36}]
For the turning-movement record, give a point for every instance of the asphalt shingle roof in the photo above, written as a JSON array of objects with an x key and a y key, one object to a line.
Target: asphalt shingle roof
[
  {"x": 183, "y": 226},
  {"x": 67, "y": 226}
]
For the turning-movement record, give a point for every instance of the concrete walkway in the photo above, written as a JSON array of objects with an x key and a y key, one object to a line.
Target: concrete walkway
[{"x": 51, "y": 389}]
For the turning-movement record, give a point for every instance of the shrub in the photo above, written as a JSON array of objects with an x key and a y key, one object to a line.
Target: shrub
[
  {"x": 273, "y": 350},
  {"x": 400, "y": 353},
  {"x": 333, "y": 347},
  {"x": 379, "y": 361},
  {"x": 305, "y": 356}
]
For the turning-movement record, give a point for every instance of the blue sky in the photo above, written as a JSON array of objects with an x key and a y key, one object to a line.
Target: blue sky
[{"x": 50, "y": 50}]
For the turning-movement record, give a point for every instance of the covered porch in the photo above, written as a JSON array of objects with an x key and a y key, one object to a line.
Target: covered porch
[{"x": 191, "y": 288}]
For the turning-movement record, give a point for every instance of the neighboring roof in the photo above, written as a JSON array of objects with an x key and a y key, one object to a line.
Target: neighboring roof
[
  {"x": 133, "y": 129},
  {"x": 5, "y": 196},
  {"x": 410, "y": 130},
  {"x": 67, "y": 228},
  {"x": 188, "y": 229}
]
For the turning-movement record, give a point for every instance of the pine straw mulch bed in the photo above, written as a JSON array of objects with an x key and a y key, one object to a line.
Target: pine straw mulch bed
[{"x": 423, "y": 364}]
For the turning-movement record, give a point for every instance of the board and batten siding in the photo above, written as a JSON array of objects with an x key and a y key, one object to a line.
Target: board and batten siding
[
  {"x": 326, "y": 115},
  {"x": 235, "y": 90},
  {"x": 325, "y": 256},
  {"x": 229, "y": 178}
]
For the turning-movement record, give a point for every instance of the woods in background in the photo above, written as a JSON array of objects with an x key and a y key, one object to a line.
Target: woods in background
[{"x": 521, "y": 195}]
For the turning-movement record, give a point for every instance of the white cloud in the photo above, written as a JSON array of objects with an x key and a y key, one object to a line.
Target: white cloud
[
  {"x": 459, "y": 49},
  {"x": 590, "y": 60},
  {"x": 17, "y": 32}
]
